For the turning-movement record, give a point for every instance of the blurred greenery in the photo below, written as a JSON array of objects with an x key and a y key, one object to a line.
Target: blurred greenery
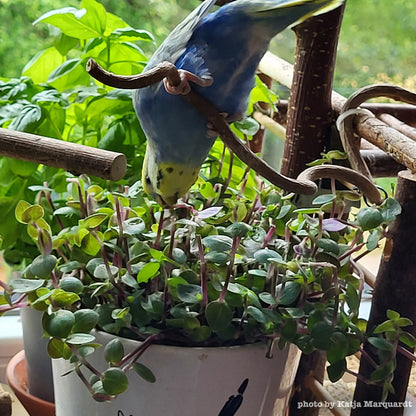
[
  {"x": 377, "y": 42},
  {"x": 55, "y": 97}
]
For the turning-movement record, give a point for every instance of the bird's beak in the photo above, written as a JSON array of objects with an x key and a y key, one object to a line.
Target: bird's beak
[{"x": 167, "y": 202}]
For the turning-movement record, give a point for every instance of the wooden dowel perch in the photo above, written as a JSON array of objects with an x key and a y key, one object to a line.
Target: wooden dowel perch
[
  {"x": 74, "y": 158},
  {"x": 302, "y": 185}
]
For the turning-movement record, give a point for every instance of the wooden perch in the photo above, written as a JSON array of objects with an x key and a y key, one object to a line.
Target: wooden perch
[
  {"x": 310, "y": 114},
  {"x": 394, "y": 285},
  {"x": 371, "y": 128},
  {"x": 75, "y": 158},
  {"x": 383, "y": 136},
  {"x": 380, "y": 164}
]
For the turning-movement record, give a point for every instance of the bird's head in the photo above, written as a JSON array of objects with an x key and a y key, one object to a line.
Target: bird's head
[{"x": 166, "y": 182}]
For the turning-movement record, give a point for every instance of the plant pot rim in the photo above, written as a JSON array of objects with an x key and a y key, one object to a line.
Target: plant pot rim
[
  {"x": 172, "y": 347},
  {"x": 16, "y": 366}
]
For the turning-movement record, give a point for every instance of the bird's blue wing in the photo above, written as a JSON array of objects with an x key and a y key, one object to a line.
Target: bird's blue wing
[{"x": 175, "y": 44}]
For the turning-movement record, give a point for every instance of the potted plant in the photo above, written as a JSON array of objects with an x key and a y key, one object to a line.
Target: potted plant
[{"x": 123, "y": 283}]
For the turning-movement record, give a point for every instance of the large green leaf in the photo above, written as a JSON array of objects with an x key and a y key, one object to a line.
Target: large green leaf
[
  {"x": 68, "y": 75},
  {"x": 96, "y": 16},
  {"x": 130, "y": 34},
  {"x": 70, "y": 21},
  {"x": 28, "y": 119},
  {"x": 42, "y": 64}
]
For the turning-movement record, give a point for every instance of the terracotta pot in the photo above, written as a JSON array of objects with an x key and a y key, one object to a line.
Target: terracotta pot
[
  {"x": 189, "y": 382},
  {"x": 17, "y": 380}
]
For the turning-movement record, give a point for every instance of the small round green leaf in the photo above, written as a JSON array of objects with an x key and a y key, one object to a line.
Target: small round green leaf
[
  {"x": 380, "y": 343},
  {"x": 179, "y": 255},
  {"x": 189, "y": 293},
  {"x": 71, "y": 284},
  {"x": 290, "y": 293},
  {"x": 147, "y": 272},
  {"x": 217, "y": 257},
  {"x": 114, "y": 351},
  {"x": 369, "y": 218},
  {"x": 264, "y": 255},
  {"x": 218, "y": 242},
  {"x": 218, "y": 315},
  {"x": 58, "y": 324},
  {"x": 58, "y": 349},
  {"x": 115, "y": 381},
  {"x": 144, "y": 372},
  {"x": 80, "y": 339},
  {"x": 328, "y": 245},
  {"x": 238, "y": 229},
  {"x": 43, "y": 265},
  {"x": 336, "y": 370},
  {"x": 85, "y": 320},
  {"x": 26, "y": 285},
  {"x": 32, "y": 214},
  {"x": 323, "y": 199}
]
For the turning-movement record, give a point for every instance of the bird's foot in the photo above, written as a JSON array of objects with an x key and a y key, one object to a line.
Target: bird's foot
[
  {"x": 213, "y": 133},
  {"x": 183, "y": 88}
]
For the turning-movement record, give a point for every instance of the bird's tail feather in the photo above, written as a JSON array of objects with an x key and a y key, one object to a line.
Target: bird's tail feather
[{"x": 258, "y": 6}]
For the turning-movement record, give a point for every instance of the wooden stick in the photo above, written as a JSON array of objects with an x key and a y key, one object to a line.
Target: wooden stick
[
  {"x": 308, "y": 126},
  {"x": 394, "y": 286},
  {"x": 270, "y": 124},
  {"x": 397, "y": 145},
  {"x": 399, "y": 125},
  {"x": 75, "y": 158},
  {"x": 380, "y": 164},
  {"x": 310, "y": 112},
  {"x": 403, "y": 113},
  {"x": 5, "y": 403},
  {"x": 319, "y": 391}
]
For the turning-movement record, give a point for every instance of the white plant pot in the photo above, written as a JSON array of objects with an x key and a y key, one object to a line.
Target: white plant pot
[
  {"x": 189, "y": 382},
  {"x": 38, "y": 362}
]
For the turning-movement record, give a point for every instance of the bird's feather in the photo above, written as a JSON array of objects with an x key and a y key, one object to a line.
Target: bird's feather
[
  {"x": 226, "y": 45},
  {"x": 175, "y": 43}
]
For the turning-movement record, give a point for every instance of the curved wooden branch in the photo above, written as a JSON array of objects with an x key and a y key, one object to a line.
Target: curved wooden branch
[
  {"x": 350, "y": 140},
  {"x": 131, "y": 82},
  {"x": 302, "y": 185},
  {"x": 343, "y": 174}
]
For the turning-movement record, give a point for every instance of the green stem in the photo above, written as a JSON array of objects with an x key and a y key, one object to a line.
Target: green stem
[{"x": 83, "y": 361}]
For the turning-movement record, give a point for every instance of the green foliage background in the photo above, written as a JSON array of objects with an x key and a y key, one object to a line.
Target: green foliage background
[{"x": 377, "y": 43}]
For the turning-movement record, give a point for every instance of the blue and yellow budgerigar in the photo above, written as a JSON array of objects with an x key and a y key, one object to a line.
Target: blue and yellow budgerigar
[{"x": 217, "y": 54}]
